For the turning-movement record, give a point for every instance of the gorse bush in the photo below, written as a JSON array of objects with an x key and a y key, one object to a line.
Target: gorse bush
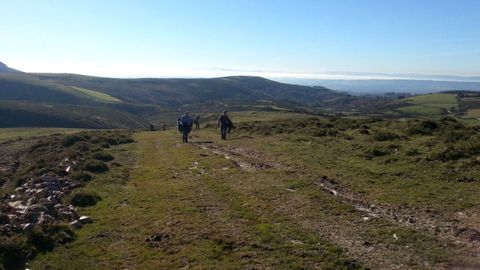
[
  {"x": 422, "y": 127},
  {"x": 70, "y": 140},
  {"x": 47, "y": 236},
  {"x": 81, "y": 176},
  {"x": 458, "y": 151},
  {"x": 14, "y": 252},
  {"x": 412, "y": 152},
  {"x": 385, "y": 135},
  {"x": 95, "y": 166},
  {"x": 84, "y": 198},
  {"x": 102, "y": 156}
]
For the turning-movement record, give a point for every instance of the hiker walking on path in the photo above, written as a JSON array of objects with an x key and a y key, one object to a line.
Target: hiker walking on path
[
  {"x": 196, "y": 120},
  {"x": 185, "y": 125},
  {"x": 225, "y": 125}
]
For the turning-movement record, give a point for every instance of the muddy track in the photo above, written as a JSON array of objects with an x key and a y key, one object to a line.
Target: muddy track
[{"x": 449, "y": 229}]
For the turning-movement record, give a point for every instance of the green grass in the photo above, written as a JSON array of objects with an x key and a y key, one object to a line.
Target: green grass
[
  {"x": 422, "y": 110},
  {"x": 99, "y": 96},
  {"x": 16, "y": 133},
  {"x": 443, "y": 101},
  {"x": 394, "y": 176},
  {"x": 429, "y": 105}
]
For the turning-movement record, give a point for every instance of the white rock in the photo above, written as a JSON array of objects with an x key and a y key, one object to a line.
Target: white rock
[
  {"x": 76, "y": 224},
  {"x": 85, "y": 220}
]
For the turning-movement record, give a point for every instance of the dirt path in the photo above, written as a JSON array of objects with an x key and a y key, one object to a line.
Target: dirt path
[
  {"x": 183, "y": 208},
  {"x": 350, "y": 228}
]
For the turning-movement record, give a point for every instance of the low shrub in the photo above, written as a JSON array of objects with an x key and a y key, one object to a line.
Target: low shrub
[
  {"x": 125, "y": 140},
  {"x": 95, "y": 166},
  {"x": 13, "y": 252},
  {"x": 47, "y": 236},
  {"x": 81, "y": 176},
  {"x": 413, "y": 152},
  {"x": 376, "y": 152},
  {"x": 102, "y": 156},
  {"x": 364, "y": 131},
  {"x": 70, "y": 140},
  {"x": 426, "y": 127},
  {"x": 84, "y": 198},
  {"x": 384, "y": 135}
]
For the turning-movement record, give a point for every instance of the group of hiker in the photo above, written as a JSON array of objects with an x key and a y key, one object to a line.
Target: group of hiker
[{"x": 185, "y": 125}]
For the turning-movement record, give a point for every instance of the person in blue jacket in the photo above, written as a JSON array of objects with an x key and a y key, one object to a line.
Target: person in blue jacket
[{"x": 185, "y": 122}]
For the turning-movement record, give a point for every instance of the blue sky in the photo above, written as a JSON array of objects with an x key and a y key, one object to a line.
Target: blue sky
[{"x": 209, "y": 38}]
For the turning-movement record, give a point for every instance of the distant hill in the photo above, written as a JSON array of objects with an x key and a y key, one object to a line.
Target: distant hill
[
  {"x": 174, "y": 93},
  {"x": 5, "y": 69},
  {"x": 378, "y": 87},
  {"x": 70, "y": 100}
]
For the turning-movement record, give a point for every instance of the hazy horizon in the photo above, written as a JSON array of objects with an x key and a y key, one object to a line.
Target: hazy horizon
[{"x": 282, "y": 39}]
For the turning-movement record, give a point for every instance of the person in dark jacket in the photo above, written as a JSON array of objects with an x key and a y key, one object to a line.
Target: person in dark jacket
[
  {"x": 196, "y": 120},
  {"x": 225, "y": 125},
  {"x": 185, "y": 122}
]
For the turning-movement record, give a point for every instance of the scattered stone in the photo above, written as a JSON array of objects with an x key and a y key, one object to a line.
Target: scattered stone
[
  {"x": 27, "y": 227},
  {"x": 38, "y": 201},
  {"x": 76, "y": 224},
  {"x": 85, "y": 220}
]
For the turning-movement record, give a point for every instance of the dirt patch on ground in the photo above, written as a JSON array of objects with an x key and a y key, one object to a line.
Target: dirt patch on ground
[{"x": 243, "y": 158}]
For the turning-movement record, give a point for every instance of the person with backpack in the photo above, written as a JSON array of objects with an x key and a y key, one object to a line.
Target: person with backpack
[
  {"x": 185, "y": 125},
  {"x": 225, "y": 125}
]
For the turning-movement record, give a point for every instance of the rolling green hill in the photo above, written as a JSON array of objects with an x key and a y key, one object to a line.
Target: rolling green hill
[
  {"x": 69, "y": 100},
  {"x": 173, "y": 93}
]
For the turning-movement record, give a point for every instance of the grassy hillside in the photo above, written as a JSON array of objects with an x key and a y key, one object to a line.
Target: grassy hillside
[
  {"x": 177, "y": 92},
  {"x": 97, "y": 95},
  {"x": 66, "y": 100}
]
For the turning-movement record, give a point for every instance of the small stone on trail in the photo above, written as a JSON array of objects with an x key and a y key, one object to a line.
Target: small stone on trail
[
  {"x": 204, "y": 154},
  {"x": 291, "y": 190},
  {"x": 395, "y": 236}
]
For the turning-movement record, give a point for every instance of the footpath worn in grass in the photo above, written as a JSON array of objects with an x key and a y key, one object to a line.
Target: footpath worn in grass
[{"x": 197, "y": 211}]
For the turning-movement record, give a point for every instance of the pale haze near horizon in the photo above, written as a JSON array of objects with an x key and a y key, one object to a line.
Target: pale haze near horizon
[{"x": 276, "y": 39}]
